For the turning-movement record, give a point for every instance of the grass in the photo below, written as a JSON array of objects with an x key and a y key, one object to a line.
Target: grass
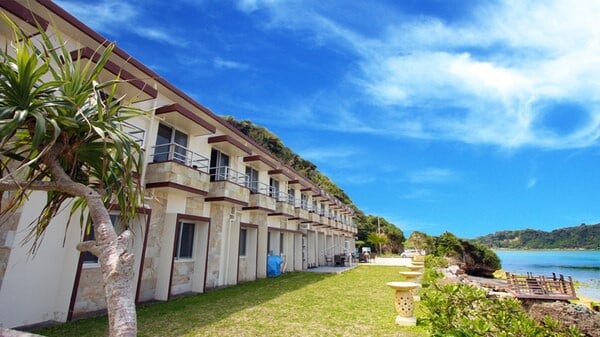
[{"x": 355, "y": 303}]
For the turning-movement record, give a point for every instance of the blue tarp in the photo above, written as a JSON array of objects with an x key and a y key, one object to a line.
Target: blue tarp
[{"x": 274, "y": 265}]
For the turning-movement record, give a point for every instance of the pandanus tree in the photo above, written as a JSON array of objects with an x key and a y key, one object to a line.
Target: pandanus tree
[{"x": 62, "y": 133}]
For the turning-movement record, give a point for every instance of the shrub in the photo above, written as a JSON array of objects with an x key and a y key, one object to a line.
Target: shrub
[
  {"x": 461, "y": 310},
  {"x": 432, "y": 261}
]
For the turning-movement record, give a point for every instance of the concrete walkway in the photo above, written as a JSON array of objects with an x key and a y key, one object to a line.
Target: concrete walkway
[{"x": 380, "y": 261}]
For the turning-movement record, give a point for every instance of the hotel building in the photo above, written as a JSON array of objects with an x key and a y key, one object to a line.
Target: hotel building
[{"x": 217, "y": 203}]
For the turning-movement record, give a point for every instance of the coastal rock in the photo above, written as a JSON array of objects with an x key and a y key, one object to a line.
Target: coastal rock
[{"x": 568, "y": 314}]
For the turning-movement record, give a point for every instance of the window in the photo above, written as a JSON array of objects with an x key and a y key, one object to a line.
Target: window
[
  {"x": 89, "y": 258},
  {"x": 219, "y": 164},
  {"x": 243, "y": 238},
  {"x": 291, "y": 196},
  {"x": 314, "y": 206},
  {"x": 184, "y": 241},
  {"x": 171, "y": 144},
  {"x": 304, "y": 200},
  {"x": 281, "y": 240},
  {"x": 252, "y": 179},
  {"x": 274, "y": 183}
]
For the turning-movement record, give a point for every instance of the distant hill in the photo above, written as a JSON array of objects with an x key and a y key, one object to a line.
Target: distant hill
[{"x": 579, "y": 237}]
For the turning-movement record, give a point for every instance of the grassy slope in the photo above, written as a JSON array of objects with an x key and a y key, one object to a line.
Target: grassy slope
[{"x": 355, "y": 303}]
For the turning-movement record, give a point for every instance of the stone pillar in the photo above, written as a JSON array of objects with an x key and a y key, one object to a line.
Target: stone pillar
[
  {"x": 413, "y": 276},
  {"x": 404, "y": 302},
  {"x": 261, "y": 257},
  {"x": 223, "y": 246}
]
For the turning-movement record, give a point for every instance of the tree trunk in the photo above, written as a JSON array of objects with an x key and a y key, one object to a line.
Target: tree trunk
[{"x": 115, "y": 262}]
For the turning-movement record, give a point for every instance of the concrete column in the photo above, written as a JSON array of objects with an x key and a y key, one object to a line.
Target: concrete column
[
  {"x": 261, "y": 258},
  {"x": 223, "y": 246}
]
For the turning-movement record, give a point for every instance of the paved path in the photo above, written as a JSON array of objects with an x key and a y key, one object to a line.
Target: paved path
[{"x": 380, "y": 261}]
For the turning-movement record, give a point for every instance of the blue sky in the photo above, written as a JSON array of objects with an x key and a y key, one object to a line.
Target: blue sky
[{"x": 468, "y": 117}]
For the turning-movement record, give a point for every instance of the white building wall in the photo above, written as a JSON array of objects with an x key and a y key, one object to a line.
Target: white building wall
[{"x": 38, "y": 288}]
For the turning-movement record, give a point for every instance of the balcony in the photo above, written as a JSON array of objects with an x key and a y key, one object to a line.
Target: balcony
[
  {"x": 260, "y": 196},
  {"x": 314, "y": 216},
  {"x": 137, "y": 134},
  {"x": 301, "y": 210},
  {"x": 324, "y": 218},
  {"x": 177, "y": 167},
  {"x": 227, "y": 184}
]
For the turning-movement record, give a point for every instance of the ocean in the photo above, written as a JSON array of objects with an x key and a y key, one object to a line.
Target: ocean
[{"x": 582, "y": 265}]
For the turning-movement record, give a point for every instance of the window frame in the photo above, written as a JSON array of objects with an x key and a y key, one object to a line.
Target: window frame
[
  {"x": 252, "y": 179},
  {"x": 177, "y": 137},
  {"x": 218, "y": 165},
  {"x": 181, "y": 226},
  {"x": 90, "y": 260},
  {"x": 243, "y": 242},
  {"x": 274, "y": 188}
]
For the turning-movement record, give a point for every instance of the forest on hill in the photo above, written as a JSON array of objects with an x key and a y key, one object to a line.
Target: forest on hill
[
  {"x": 372, "y": 229},
  {"x": 578, "y": 237}
]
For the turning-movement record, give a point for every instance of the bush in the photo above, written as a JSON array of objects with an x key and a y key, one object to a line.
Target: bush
[
  {"x": 432, "y": 261},
  {"x": 430, "y": 276},
  {"x": 461, "y": 310}
]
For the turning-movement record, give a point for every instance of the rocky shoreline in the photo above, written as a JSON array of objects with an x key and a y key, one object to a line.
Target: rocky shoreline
[{"x": 568, "y": 314}]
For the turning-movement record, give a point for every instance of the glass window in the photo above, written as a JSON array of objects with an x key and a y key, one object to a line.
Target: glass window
[
  {"x": 181, "y": 142},
  {"x": 252, "y": 179},
  {"x": 243, "y": 238},
  {"x": 89, "y": 258},
  {"x": 185, "y": 241},
  {"x": 304, "y": 200},
  {"x": 219, "y": 165},
  {"x": 291, "y": 196},
  {"x": 274, "y": 183},
  {"x": 171, "y": 144}
]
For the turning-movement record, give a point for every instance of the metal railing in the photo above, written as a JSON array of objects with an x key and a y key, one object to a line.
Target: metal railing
[
  {"x": 226, "y": 173},
  {"x": 180, "y": 154},
  {"x": 138, "y": 134},
  {"x": 257, "y": 187}
]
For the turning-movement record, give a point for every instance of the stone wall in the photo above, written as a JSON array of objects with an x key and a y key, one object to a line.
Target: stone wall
[
  {"x": 219, "y": 214},
  {"x": 153, "y": 249},
  {"x": 182, "y": 277},
  {"x": 177, "y": 173},
  {"x": 90, "y": 294}
]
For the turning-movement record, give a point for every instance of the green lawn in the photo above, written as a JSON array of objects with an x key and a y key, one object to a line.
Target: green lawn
[{"x": 355, "y": 303}]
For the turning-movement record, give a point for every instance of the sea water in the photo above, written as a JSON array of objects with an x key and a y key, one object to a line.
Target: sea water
[{"x": 581, "y": 265}]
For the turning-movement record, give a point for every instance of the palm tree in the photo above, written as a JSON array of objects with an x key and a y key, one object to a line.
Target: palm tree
[
  {"x": 62, "y": 132},
  {"x": 378, "y": 240}
]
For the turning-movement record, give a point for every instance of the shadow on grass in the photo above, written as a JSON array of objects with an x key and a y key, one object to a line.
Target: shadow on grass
[{"x": 185, "y": 314}]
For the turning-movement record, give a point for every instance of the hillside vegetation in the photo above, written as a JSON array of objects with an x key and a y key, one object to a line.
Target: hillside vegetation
[{"x": 579, "y": 237}]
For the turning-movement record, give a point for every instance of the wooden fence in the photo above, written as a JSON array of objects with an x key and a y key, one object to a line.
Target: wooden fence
[{"x": 541, "y": 287}]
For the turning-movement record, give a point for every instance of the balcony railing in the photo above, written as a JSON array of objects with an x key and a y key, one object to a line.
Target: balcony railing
[
  {"x": 138, "y": 134},
  {"x": 268, "y": 190},
  {"x": 226, "y": 173},
  {"x": 180, "y": 154}
]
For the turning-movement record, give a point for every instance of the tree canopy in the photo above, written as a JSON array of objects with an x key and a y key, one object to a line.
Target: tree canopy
[{"x": 578, "y": 237}]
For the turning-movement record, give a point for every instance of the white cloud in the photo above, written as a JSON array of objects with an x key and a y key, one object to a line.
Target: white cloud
[
  {"x": 431, "y": 175},
  {"x": 228, "y": 64},
  {"x": 114, "y": 16},
  {"x": 103, "y": 15},
  {"x": 479, "y": 80},
  {"x": 531, "y": 182},
  {"x": 329, "y": 153}
]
